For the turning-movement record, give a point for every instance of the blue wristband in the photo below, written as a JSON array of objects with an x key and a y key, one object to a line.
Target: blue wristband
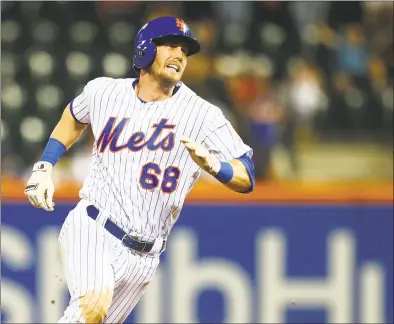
[
  {"x": 53, "y": 151},
  {"x": 225, "y": 173}
]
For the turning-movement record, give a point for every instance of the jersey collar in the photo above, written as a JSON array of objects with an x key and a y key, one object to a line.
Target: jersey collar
[{"x": 177, "y": 87}]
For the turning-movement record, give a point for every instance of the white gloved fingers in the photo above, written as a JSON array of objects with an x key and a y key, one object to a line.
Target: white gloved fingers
[
  {"x": 48, "y": 199},
  {"x": 33, "y": 201},
  {"x": 41, "y": 201},
  {"x": 44, "y": 204},
  {"x": 38, "y": 202},
  {"x": 38, "y": 197}
]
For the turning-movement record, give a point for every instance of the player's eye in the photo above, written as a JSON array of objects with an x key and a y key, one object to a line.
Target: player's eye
[{"x": 183, "y": 47}]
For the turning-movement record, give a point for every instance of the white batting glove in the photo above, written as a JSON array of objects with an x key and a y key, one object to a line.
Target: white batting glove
[
  {"x": 40, "y": 189},
  {"x": 202, "y": 156}
]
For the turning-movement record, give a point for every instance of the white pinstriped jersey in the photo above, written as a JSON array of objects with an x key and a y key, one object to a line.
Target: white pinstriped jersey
[{"x": 140, "y": 172}]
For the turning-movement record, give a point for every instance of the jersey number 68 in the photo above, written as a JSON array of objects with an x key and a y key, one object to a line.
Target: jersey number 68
[{"x": 150, "y": 173}]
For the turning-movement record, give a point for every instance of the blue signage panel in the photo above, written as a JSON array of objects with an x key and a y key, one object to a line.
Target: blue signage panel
[{"x": 251, "y": 263}]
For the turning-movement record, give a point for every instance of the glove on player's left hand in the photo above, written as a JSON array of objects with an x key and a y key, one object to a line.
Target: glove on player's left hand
[
  {"x": 202, "y": 156},
  {"x": 39, "y": 188}
]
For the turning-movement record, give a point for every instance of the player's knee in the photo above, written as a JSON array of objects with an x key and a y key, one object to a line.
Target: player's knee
[{"x": 95, "y": 305}]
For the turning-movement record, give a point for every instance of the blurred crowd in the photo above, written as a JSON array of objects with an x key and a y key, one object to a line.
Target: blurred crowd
[{"x": 282, "y": 72}]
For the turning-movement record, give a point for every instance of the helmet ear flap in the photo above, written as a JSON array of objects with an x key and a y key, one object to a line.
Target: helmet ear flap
[{"x": 144, "y": 54}]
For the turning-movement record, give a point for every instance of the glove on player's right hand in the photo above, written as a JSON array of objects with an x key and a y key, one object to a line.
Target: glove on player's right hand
[{"x": 40, "y": 189}]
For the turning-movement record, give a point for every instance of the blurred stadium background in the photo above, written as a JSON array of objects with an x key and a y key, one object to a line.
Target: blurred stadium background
[{"x": 309, "y": 85}]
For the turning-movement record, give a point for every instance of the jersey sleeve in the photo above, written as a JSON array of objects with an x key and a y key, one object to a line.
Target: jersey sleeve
[
  {"x": 222, "y": 139},
  {"x": 80, "y": 106}
]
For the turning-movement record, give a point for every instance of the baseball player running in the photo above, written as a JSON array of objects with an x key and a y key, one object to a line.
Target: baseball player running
[{"x": 153, "y": 137}]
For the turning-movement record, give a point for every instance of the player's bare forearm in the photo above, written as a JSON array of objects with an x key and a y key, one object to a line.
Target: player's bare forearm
[
  {"x": 68, "y": 130},
  {"x": 241, "y": 180}
]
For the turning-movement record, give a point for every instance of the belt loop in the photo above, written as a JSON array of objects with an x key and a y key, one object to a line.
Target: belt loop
[
  {"x": 102, "y": 218},
  {"x": 157, "y": 246}
]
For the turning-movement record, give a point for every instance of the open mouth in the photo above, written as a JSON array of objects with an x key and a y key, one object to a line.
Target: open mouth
[{"x": 173, "y": 67}]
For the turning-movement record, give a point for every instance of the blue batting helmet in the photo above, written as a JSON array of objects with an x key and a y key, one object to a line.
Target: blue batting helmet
[{"x": 159, "y": 28}]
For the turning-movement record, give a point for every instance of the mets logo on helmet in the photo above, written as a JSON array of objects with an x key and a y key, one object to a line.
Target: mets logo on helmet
[{"x": 181, "y": 25}]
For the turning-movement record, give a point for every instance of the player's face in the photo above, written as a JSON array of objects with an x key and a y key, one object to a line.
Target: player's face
[{"x": 170, "y": 61}]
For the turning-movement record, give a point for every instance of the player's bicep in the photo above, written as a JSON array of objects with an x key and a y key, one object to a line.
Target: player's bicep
[
  {"x": 68, "y": 130},
  {"x": 70, "y": 120}
]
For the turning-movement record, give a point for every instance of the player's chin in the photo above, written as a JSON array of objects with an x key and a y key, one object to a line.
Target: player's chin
[{"x": 172, "y": 77}]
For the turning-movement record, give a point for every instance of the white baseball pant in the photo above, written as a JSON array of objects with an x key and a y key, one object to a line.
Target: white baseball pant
[{"x": 105, "y": 279}]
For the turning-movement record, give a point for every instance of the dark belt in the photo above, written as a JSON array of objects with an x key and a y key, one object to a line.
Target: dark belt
[{"x": 120, "y": 234}]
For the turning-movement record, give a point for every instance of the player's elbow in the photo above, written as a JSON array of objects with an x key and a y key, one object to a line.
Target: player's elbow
[
  {"x": 244, "y": 185},
  {"x": 244, "y": 170},
  {"x": 248, "y": 186},
  {"x": 241, "y": 182}
]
